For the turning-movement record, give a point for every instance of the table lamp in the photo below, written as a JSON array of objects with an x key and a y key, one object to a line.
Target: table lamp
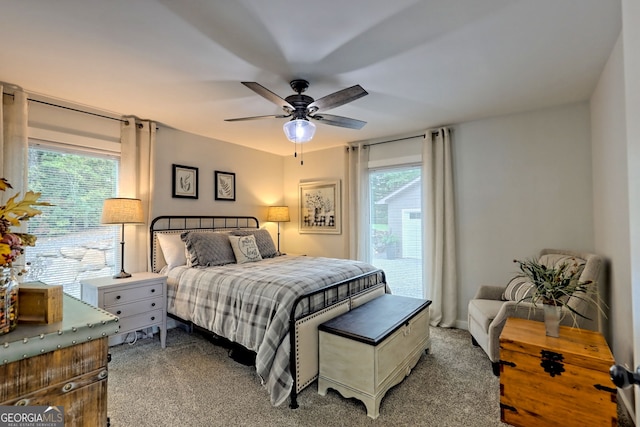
[
  {"x": 120, "y": 210},
  {"x": 278, "y": 214}
]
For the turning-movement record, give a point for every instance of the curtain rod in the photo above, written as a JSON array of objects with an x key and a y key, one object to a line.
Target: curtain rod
[
  {"x": 424, "y": 135},
  {"x": 72, "y": 109}
]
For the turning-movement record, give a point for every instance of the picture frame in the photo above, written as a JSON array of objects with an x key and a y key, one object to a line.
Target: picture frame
[
  {"x": 320, "y": 207},
  {"x": 185, "y": 182},
  {"x": 225, "y": 186}
]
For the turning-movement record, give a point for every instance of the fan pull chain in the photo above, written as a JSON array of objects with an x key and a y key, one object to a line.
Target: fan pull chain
[{"x": 295, "y": 152}]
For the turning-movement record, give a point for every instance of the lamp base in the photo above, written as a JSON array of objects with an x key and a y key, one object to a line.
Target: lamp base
[{"x": 122, "y": 275}]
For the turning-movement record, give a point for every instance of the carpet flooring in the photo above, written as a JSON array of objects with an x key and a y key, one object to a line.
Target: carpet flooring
[{"x": 193, "y": 382}]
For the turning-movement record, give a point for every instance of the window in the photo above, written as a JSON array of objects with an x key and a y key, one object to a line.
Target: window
[
  {"x": 71, "y": 244},
  {"x": 396, "y": 227}
]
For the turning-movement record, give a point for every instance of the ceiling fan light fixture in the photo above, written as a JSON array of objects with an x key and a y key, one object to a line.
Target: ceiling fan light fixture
[{"x": 299, "y": 131}]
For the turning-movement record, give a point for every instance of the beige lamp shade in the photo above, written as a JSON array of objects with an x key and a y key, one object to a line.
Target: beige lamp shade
[
  {"x": 278, "y": 214},
  {"x": 121, "y": 210}
]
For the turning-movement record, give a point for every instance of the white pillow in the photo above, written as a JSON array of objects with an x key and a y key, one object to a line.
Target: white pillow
[
  {"x": 173, "y": 249},
  {"x": 245, "y": 248}
]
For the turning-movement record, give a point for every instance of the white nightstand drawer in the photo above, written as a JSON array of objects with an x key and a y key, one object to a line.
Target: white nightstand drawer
[
  {"x": 137, "y": 307},
  {"x": 124, "y": 296},
  {"x": 140, "y": 321}
]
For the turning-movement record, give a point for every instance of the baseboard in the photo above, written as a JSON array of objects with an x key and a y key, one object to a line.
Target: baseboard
[
  {"x": 627, "y": 403},
  {"x": 460, "y": 324}
]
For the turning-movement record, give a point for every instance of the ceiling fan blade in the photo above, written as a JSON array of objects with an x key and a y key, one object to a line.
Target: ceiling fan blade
[
  {"x": 267, "y": 94},
  {"x": 279, "y": 116},
  {"x": 345, "y": 122},
  {"x": 337, "y": 99}
]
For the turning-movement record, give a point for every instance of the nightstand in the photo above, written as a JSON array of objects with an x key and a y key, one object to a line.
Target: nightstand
[{"x": 139, "y": 301}]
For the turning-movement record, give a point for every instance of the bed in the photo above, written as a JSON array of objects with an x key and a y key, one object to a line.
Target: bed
[{"x": 268, "y": 303}]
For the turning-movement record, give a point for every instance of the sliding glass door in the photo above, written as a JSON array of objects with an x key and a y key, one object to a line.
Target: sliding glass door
[{"x": 396, "y": 227}]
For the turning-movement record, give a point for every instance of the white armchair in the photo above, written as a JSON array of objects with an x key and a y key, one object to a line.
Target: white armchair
[{"x": 492, "y": 305}]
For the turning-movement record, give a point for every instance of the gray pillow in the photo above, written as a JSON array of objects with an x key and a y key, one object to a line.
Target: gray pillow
[
  {"x": 263, "y": 241},
  {"x": 208, "y": 249}
]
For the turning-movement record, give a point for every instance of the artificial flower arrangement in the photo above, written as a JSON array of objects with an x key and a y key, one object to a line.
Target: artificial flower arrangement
[
  {"x": 12, "y": 244},
  {"x": 554, "y": 287}
]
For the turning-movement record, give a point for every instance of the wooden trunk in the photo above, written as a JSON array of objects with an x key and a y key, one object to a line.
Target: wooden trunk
[
  {"x": 547, "y": 381},
  {"x": 73, "y": 377},
  {"x": 60, "y": 364}
]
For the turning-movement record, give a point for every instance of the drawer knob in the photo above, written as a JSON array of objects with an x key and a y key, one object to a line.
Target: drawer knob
[
  {"x": 119, "y": 312},
  {"x": 118, "y": 297},
  {"x": 153, "y": 290},
  {"x": 153, "y": 304},
  {"x": 153, "y": 317}
]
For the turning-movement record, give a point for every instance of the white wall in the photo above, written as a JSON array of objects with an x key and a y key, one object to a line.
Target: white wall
[
  {"x": 319, "y": 165},
  {"x": 611, "y": 201},
  {"x": 259, "y": 176},
  {"x": 631, "y": 54},
  {"x": 523, "y": 183}
]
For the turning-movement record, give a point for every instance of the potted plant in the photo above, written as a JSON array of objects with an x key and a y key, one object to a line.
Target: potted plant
[{"x": 553, "y": 287}]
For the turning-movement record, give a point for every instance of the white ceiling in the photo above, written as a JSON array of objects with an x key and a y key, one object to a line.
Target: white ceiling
[{"x": 424, "y": 63}]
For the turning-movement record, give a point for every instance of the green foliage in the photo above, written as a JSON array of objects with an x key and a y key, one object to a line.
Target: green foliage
[
  {"x": 554, "y": 286},
  {"x": 76, "y": 184}
]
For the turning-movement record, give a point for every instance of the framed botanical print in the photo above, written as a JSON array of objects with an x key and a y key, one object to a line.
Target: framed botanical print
[
  {"x": 320, "y": 207},
  {"x": 185, "y": 182},
  {"x": 225, "y": 183}
]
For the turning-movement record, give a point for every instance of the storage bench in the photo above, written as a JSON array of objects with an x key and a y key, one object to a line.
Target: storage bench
[{"x": 368, "y": 350}]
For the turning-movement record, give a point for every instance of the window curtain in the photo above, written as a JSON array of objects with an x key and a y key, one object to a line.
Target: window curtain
[
  {"x": 439, "y": 224},
  {"x": 358, "y": 197},
  {"x": 14, "y": 139},
  {"x": 137, "y": 139}
]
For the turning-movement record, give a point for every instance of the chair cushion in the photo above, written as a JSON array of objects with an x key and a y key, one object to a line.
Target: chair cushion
[
  {"x": 483, "y": 311},
  {"x": 556, "y": 260}
]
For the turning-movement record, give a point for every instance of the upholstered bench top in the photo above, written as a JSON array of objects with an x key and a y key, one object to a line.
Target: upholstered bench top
[{"x": 374, "y": 321}]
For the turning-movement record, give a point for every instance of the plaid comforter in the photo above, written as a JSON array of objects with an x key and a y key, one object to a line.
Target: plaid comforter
[{"x": 251, "y": 304}]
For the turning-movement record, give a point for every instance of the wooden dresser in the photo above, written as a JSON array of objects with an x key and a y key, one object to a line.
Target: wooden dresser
[
  {"x": 546, "y": 381},
  {"x": 368, "y": 350},
  {"x": 60, "y": 364}
]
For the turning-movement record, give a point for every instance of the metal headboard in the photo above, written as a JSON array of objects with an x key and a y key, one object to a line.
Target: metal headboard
[{"x": 179, "y": 223}]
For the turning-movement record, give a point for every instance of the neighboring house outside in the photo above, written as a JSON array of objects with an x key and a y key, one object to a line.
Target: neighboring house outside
[{"x": 405, "y": 220}]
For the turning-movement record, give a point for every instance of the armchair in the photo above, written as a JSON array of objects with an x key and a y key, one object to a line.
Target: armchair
[{"x": 492, "y": 305}]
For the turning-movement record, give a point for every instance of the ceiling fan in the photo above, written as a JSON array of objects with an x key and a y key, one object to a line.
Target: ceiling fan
[{"x": 301, "y": 108}]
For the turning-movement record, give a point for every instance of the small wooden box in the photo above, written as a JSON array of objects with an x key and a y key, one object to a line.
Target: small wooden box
[
  {"x": 548, "y": 381},
  {"x": 39, "y": 303}
]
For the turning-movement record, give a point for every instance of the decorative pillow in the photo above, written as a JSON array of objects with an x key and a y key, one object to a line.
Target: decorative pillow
[
  {"x": 208, "y": 249},
  {"x": 245, "y": 248},
  {"x": 263, "y": 240},
  {"x": 518, "y": 289},
  {"x": 173, "y": 249}
]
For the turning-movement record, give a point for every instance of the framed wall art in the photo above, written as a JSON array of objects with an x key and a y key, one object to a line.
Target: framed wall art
[
  {"x": 185, "y": 182},
  {"x": 320, "y": 207},
  {"x": 225, "y": 183}
]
